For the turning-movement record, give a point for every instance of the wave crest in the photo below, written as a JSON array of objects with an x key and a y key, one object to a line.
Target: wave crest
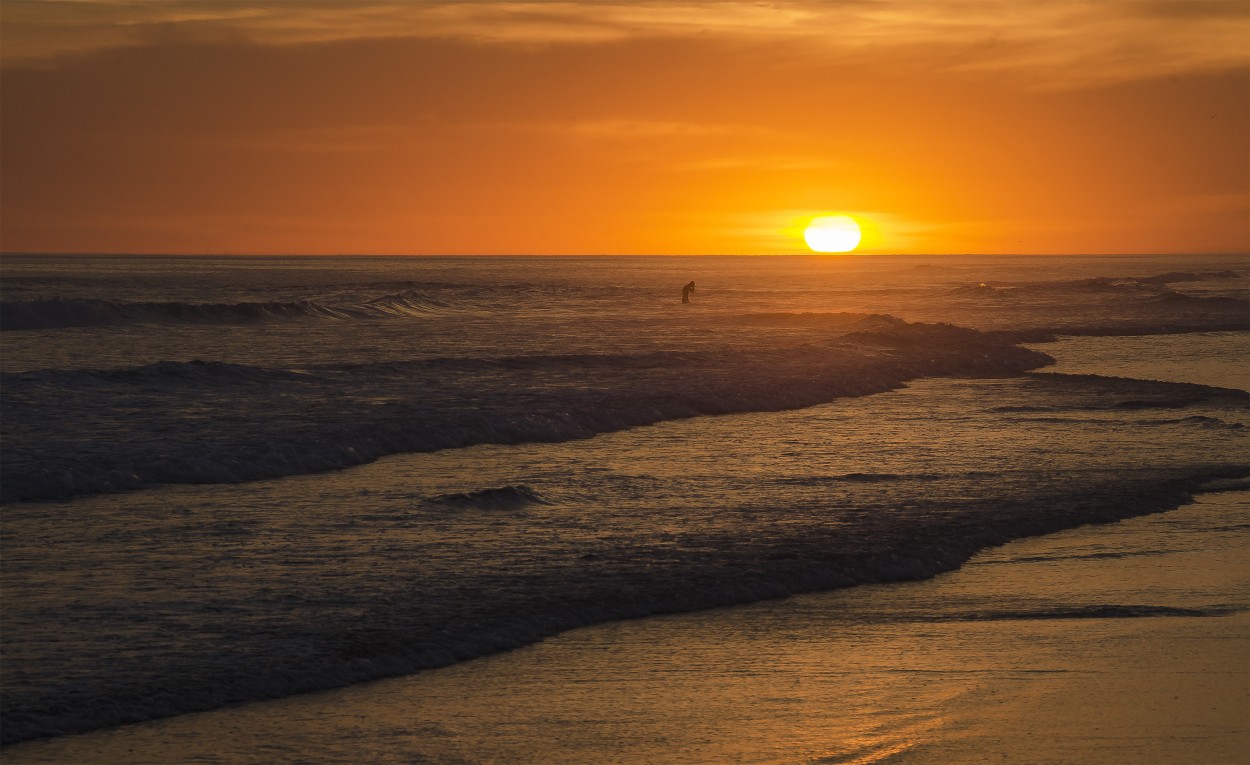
[
  {"x": 502, "y": 498},
  {"x": 58, "y": 313}
]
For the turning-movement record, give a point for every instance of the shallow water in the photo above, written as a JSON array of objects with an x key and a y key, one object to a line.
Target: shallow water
[
  {"x": 1206, "y": 358},
  {"x": 1108, "y": 644}
]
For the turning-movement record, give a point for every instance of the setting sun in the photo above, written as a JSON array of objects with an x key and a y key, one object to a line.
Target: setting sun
[{"x": 832, "y": 233}]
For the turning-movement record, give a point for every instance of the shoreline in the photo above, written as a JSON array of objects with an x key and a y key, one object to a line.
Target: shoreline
[{"x": 846, "y": 676}]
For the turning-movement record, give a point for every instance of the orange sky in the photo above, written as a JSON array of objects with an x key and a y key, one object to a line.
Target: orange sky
[{"x": 561, "y": 127}]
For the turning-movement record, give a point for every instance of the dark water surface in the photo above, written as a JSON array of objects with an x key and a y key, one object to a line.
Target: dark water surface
[{"x": 235, "y": 479}]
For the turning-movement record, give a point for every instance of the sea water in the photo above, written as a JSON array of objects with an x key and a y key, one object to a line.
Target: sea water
[{"x": 239, "y": 478}]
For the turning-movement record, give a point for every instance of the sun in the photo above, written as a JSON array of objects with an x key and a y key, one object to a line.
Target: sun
[{"x": 832, "y": 233}]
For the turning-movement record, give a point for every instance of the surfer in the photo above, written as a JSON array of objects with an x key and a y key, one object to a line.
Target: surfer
[{"x": 685, "y": 292}]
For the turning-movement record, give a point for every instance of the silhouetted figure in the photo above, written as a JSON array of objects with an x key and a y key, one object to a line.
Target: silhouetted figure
[{"x": 685, "y": 292}]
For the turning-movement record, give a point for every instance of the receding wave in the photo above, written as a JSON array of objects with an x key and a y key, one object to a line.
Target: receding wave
[
  {"x": 199, "y": 422},
  {"x": 1050, "y": 611},
  {"x": 1198, "y": 421},
  {"x": 59, "y": 313},
  {"x": 1132, "y": 393},
  {"x": 400, "y": 635},
  {"x": 1100, "y": 611},
  {"x": 1173, "y": 298},
  {"x": 1073, "y": 556},
  {"x": 1224, "y": 484}
]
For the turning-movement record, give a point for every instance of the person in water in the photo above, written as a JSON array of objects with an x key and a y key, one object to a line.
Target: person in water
[{"x": 685, "y": 292}]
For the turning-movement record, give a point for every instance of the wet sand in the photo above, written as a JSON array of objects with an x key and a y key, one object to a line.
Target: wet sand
[{"x": 1127, "y": 643}]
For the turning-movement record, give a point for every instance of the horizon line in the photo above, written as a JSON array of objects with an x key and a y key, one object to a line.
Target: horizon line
[{"x": 84, "y": 253}]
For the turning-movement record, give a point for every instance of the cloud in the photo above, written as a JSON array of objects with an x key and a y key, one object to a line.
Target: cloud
[
  {"x": 1058, "y": 44},
  {"x": 756, "y": 162},
  {"x": 651, "y": 129}
]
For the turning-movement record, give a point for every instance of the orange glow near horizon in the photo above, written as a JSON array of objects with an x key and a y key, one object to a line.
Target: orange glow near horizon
[{"x": 570, "y": 128}]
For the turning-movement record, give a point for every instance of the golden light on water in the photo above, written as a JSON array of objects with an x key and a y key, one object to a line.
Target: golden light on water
[{"x": 833, "y": 233}]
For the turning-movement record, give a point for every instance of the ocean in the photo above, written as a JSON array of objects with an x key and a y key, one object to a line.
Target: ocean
[{"x": 238, "y": 478}]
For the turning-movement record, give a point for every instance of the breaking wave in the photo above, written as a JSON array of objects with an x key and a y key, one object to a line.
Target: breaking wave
[
  {"x": 503, "y": 498},
  {"x": 209, "y": 422},
  {"x": 57, "y": 313}
]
